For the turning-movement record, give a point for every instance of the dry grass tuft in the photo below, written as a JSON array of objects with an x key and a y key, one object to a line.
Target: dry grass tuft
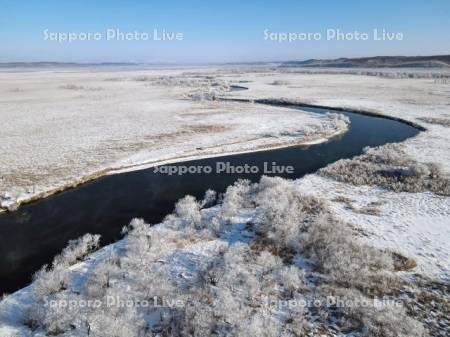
[
  {"x": 390, "y": 167},
  {"x": 436, "y": 120}
]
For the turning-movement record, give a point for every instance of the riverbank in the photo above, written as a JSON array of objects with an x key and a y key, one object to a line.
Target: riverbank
[{"x": 65, "y": 129}]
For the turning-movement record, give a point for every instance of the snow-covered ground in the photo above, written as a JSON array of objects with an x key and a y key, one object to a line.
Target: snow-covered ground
[
  {"x": 416, "y": 225},
  {"x": 62, "y": 128}
]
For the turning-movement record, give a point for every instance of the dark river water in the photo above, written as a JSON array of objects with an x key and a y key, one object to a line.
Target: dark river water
[{"x": 36, "y": 232}]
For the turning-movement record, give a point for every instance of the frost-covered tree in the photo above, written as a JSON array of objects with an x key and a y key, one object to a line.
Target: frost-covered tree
[
  {"x": 229, "y": 274},
  {"x": 283, "y": 214},
  {"x": 209, "y": 198},
  {"x": 188, "y": 209},
  {"x": 77, "y": 250},
  {"x": 236, "y": 197},
  {"x": 50, "y": 280},
  {"x": 186, "y": 215}
]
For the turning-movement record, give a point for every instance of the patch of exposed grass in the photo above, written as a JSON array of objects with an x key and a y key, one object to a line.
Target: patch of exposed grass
[
  {"x": 436, "y": 120},
  {"x": 390, "y": 167}
]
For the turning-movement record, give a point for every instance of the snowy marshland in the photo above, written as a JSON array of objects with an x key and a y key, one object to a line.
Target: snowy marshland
[
  {"x": 62, "y": 129},
  {"x": 278, "y": 258}
]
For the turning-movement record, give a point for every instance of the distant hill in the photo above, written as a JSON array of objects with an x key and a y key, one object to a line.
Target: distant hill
[{"x": 438, "y": 61}]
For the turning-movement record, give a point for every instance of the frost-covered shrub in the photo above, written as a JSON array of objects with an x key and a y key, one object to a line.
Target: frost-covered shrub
[
  {"x": 144, "y": 78},
  {"x": 260, "y": 324},
  {"x": 100, "y": 280},
  {"x": 331, "y": 244},
  {"x": 390, "y": 167},
  {"x": 389, "y": 154},
  {"x": 230, "y": 283},
  {"x": 280, "y": 82},
  {"x": 209, "y": 198},
  {"x": 291, "y": 278},
  {"x": 335, "y": 123},
  {"x": 77, "y": 250},
  {"x": 52, "y": 283},
  {"x": 198, "y": 319},
  {"x": 84, "y": 320},
  {"x": 205, "y": 88},
  {"x": 341, "y": 119},
  {"x": 211, "y": 94},
  {"x": 141, "y": 244},
  {"x": 185, "y": 81},
  {"x": 136, "y": 227},
  {"x": 53, "y": 316},
  {"x": 72, "y": 87},
  {"x": 377, "y": 318},
  {"x": 391, "y": 321},
  {"x": 436, "y": 120},
  {"x": 188, "y": 209},
  {"x": 236, "y": 197},
  {"x": 283, "y": 214},
  {"x": 124, "y": 323},
  {"x": 332, "y": 123},
  {"x": 215, "y": 225},
  {"x": 303, "y": 224},
  {"x": 50, "y": 280},
  {"x": 235, "y": 293},
  {"x": 231, "y": 272},
  {"x": 186, "y": 215},
  {"x": 145, "y": 278}
]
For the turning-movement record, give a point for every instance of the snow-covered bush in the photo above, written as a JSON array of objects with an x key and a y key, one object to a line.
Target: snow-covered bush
[
  {"x": 391, "y": 321},
  {"x": 206, "y": 88},
  {"x": 72, "y": 87},
  {"x": 436, "y": 120},
  {"x": 303, "y": 224},
  {"x": 99, "y": 281},
  {"x": 236, "y": 282},
  {"x": 332, "y": 246},
  {"x": 186, "y": 215},
  {"x": 77, "y": 250},
  {"x": 283, "y": 214},
  {"x": 144, "y": 78},
  {"x": 209, "y": 198},
  {"x": 280, "y": 82},
  {"x": 390, "y": 167},
  {"x": 236, "y": 197},
  {"x": 382, "y": 319},
  {"x": 210, "y": 94},
  {"x": 124, "y": 323},
  {"x": 332, "y": 123},
  {"x": 189, "y": 210},
  {"x": 233, "y": 299},
  {"x": 50, "y": 280}
]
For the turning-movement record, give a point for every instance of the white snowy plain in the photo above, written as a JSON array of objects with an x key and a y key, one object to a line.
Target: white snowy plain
[{"x": 414, "y": 224}]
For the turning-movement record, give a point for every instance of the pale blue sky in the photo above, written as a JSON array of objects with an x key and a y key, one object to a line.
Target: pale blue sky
[{"x": 219, "y": 31}]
